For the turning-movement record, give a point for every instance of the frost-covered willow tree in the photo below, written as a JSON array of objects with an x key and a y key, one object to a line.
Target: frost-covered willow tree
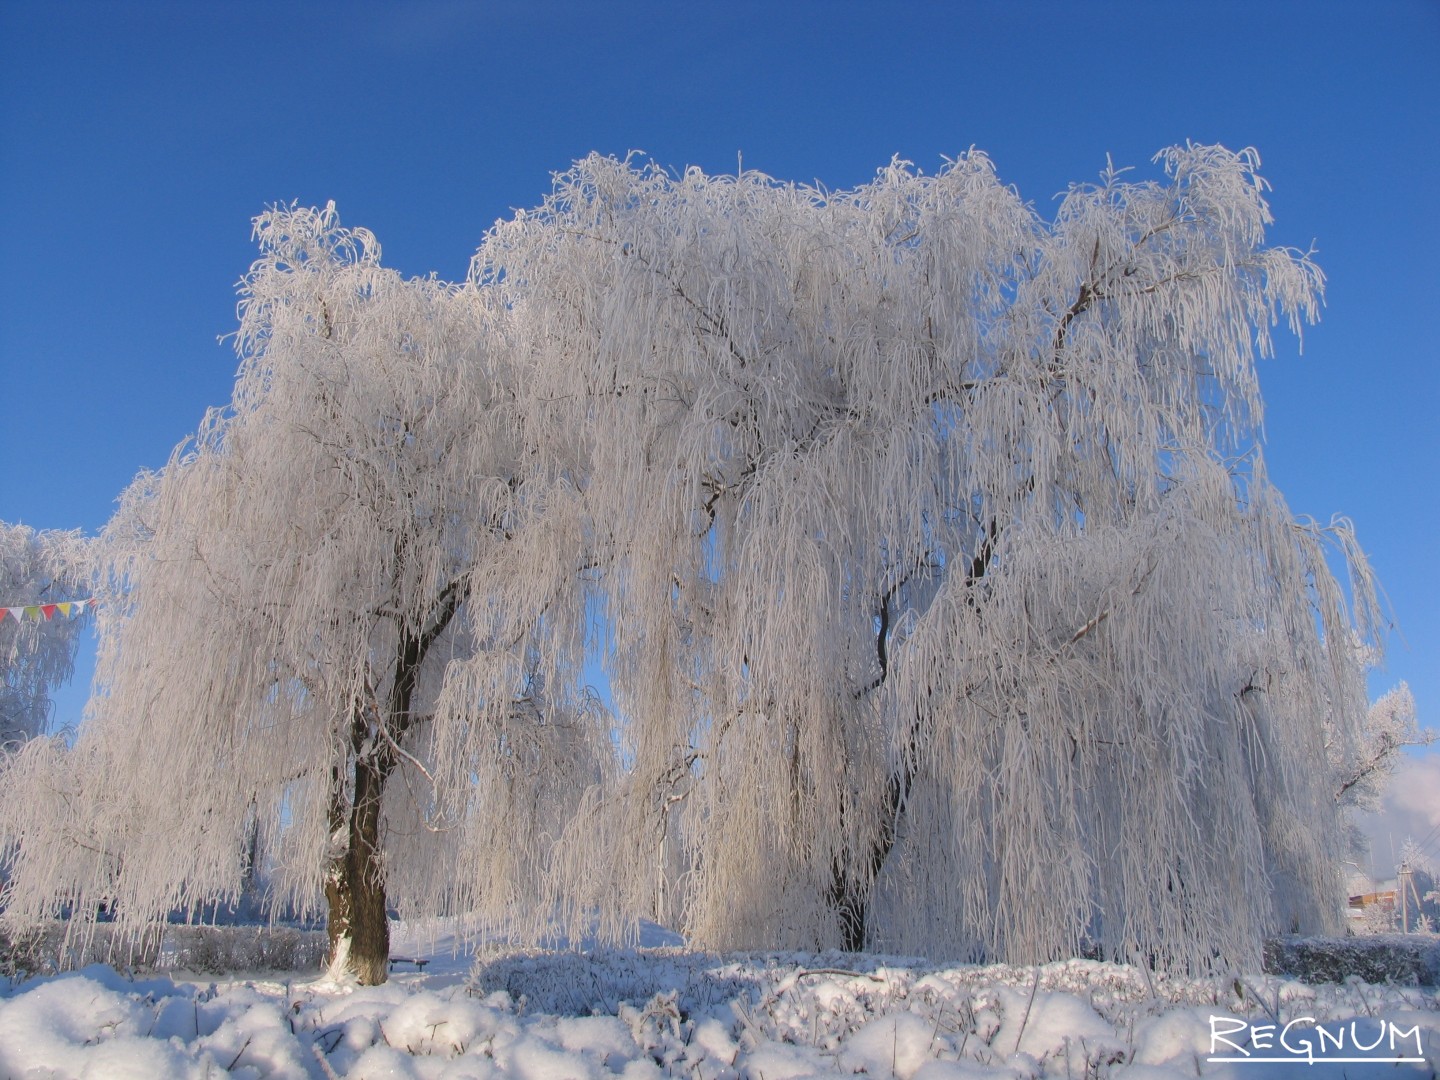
[
  {"x": 950, "y": 606},
  {"x": 36, "y": 654},
  {"x": 946, "y": 603},
  {"x": 330, "y": 616}
]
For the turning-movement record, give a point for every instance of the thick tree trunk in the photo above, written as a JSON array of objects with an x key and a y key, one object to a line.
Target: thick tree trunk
[
  {"x": 358, "y": 927},
  {"x": 337, "y": 918},
  {"x": 849, "y": 894},
  {"x": 337, "y": 877},
  {"x": 364, "y": 877}
]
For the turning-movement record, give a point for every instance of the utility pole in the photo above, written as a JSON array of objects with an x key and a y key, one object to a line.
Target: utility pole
[
  {"x": 1402, "y": 882},
  {"x": 1419, "y": 908}
]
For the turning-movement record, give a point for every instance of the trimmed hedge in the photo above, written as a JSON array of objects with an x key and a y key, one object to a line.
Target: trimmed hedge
[
  {"x": 219, "y": 949},
  {"x": 1402, "y": 959},
  {"x": 209, "y": 949}
]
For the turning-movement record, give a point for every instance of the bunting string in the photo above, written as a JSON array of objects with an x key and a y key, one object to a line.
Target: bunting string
[{"x": 70, "y": 609}]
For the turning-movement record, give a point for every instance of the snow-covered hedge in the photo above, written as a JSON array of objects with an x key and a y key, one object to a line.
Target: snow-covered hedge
[
  {"x": 576, "y": 984},
  {"x": 603, "y": 980},
  {"x": 1398, "y": 959},
  {"x": 63, "y": 946},
  {"x": 218, "y": 949},
  {"x": 210, "y": 949}
]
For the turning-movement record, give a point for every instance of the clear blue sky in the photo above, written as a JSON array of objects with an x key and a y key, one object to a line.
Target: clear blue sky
[{"x": 137, "y": 139}]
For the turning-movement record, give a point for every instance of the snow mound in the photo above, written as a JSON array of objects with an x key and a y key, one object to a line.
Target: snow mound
[{"x": 644, "y": 1014}]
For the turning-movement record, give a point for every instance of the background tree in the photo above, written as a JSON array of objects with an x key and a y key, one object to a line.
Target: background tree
[
  {"x": 289, "y": 602},
  {"x": 1363, "y": 766},
  {"x": 37, "y": 654}
]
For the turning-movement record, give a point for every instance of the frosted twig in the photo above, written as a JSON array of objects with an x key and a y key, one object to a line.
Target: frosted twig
[{"x": 1026, "y": 1018}]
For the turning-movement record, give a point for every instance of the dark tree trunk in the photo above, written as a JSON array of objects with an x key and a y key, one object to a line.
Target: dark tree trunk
[
  {"x": 337, "y": 876},
  {"x": 364, "y": 875},
  {"x": 337, "y": 906},
  {"x": 250, "y": 876},
  {"x": 355, "y": 881},
  {"x": 850, "y": 892}
]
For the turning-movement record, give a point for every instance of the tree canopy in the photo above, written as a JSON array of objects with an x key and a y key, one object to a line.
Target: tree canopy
[{"x": 926, "y": 543}]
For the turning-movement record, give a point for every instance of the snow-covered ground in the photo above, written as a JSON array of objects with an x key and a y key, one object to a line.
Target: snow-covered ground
[{"x": 647, "y": 1013}]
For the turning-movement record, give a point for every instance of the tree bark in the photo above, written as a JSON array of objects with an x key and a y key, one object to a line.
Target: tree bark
[
  {"x": 369, "y": 956},
  {"x": 357, "y": 924},
  {"x": 849, "y": 894}
]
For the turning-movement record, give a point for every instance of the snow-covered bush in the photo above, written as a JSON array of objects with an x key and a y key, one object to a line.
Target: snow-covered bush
[
  {"x": 59, "y": 946},
  {"x": 1402, "y": 959},
  {"x": 53, "y": 947},
  {"x": 221, "y": 949}
]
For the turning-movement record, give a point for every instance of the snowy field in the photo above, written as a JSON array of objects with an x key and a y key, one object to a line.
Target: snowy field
[{"x": 649, "y": 1013}]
